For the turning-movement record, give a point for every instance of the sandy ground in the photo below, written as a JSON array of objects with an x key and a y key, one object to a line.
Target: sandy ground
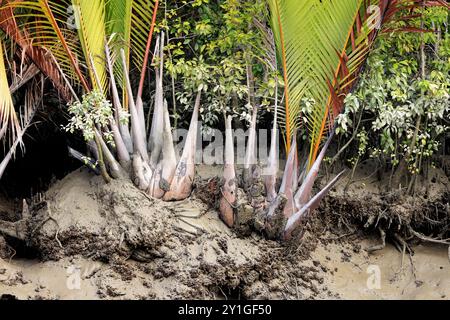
[{"x": 427, "y": 278}]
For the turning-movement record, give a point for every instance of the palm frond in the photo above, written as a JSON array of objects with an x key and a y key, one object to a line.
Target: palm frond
[
  {"x": 307, "y": 34},
  {"x": 47, "y": 25},
  {"x": 360, "y": 39},
  {"x": 33, "y": 98},
  {"x": 345, "y": 70},
  {"x": 322, "y": 46},
  {"x": 90, "y": 17},
  {"x": 38, "y": 55},
  {"x": 9, "y": 123},
  {"x": 118, "y": 28},
  {"x": 141, "y": 24},
  {"x": 118, "y": 18}
]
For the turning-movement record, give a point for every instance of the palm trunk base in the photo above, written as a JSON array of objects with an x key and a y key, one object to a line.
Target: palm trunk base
[
  {"x": 227, "y": 212},
  {"x": 275, "y": 219}
]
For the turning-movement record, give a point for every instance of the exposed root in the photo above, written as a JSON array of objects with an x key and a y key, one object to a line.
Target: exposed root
[
  {"x": 429, "y": 239},
  {"x": 199, "y": 229},
  {"x": 57, "y": 240},
  {"x": 17, "y": 230},
  {"x": 403, "y": 247},
  {"x": 199, "y": 216},
  {"x": 380, "y": 246}
]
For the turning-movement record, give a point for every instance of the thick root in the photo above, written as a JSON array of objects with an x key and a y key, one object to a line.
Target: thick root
[
  {"x": 380, "y": 246},
  {"x": 17, "y": 230}
]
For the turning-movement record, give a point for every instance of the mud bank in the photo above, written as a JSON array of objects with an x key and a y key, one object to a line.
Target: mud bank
[
  {"x": 333, "y": 271},
  {"x": 97, "y": 241}
]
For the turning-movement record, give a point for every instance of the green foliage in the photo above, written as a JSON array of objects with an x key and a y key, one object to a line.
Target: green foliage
[
  {"x": 408, "y": 113},
  {"x": 210, "y": 44},
  {"x": 92, "y": 112}
]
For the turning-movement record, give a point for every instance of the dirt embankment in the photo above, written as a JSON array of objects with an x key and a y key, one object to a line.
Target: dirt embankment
[{"x": 112, "y": 241}]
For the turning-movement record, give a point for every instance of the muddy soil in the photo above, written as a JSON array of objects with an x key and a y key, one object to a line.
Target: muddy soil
[
  {"x": 338, "y": 270},
  {"x": 97, "y": 241}
]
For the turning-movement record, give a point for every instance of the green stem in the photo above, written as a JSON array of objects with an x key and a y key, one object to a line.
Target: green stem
[{"x": 101, "y": 162}]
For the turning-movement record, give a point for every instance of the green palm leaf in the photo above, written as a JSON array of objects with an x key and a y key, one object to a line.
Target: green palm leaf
[
  {"x": 307, "y": 34},
  {"x": 118, "y": 17},
  {"x": 129, "y": 22},
  {"x": 90, "y": 18},
  {"x": 141, "y": 24},
  {"x": 322, "y": 46},
  {"x": 118, "y": 27}
]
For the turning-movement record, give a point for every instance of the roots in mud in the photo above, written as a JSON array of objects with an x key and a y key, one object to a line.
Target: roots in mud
[
  {"x": 187, "y": 243},
  {"x": 4, "y": 251},
  {"x": 393, "y": 217},
  {"x": 83, "y": 215}
]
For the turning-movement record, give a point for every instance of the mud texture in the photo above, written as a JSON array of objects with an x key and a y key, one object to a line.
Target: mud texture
[
  {"x": 130, "y": 246},
  {"x": 81, "y": 215},
  {"x": 368, "y": 206}
]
